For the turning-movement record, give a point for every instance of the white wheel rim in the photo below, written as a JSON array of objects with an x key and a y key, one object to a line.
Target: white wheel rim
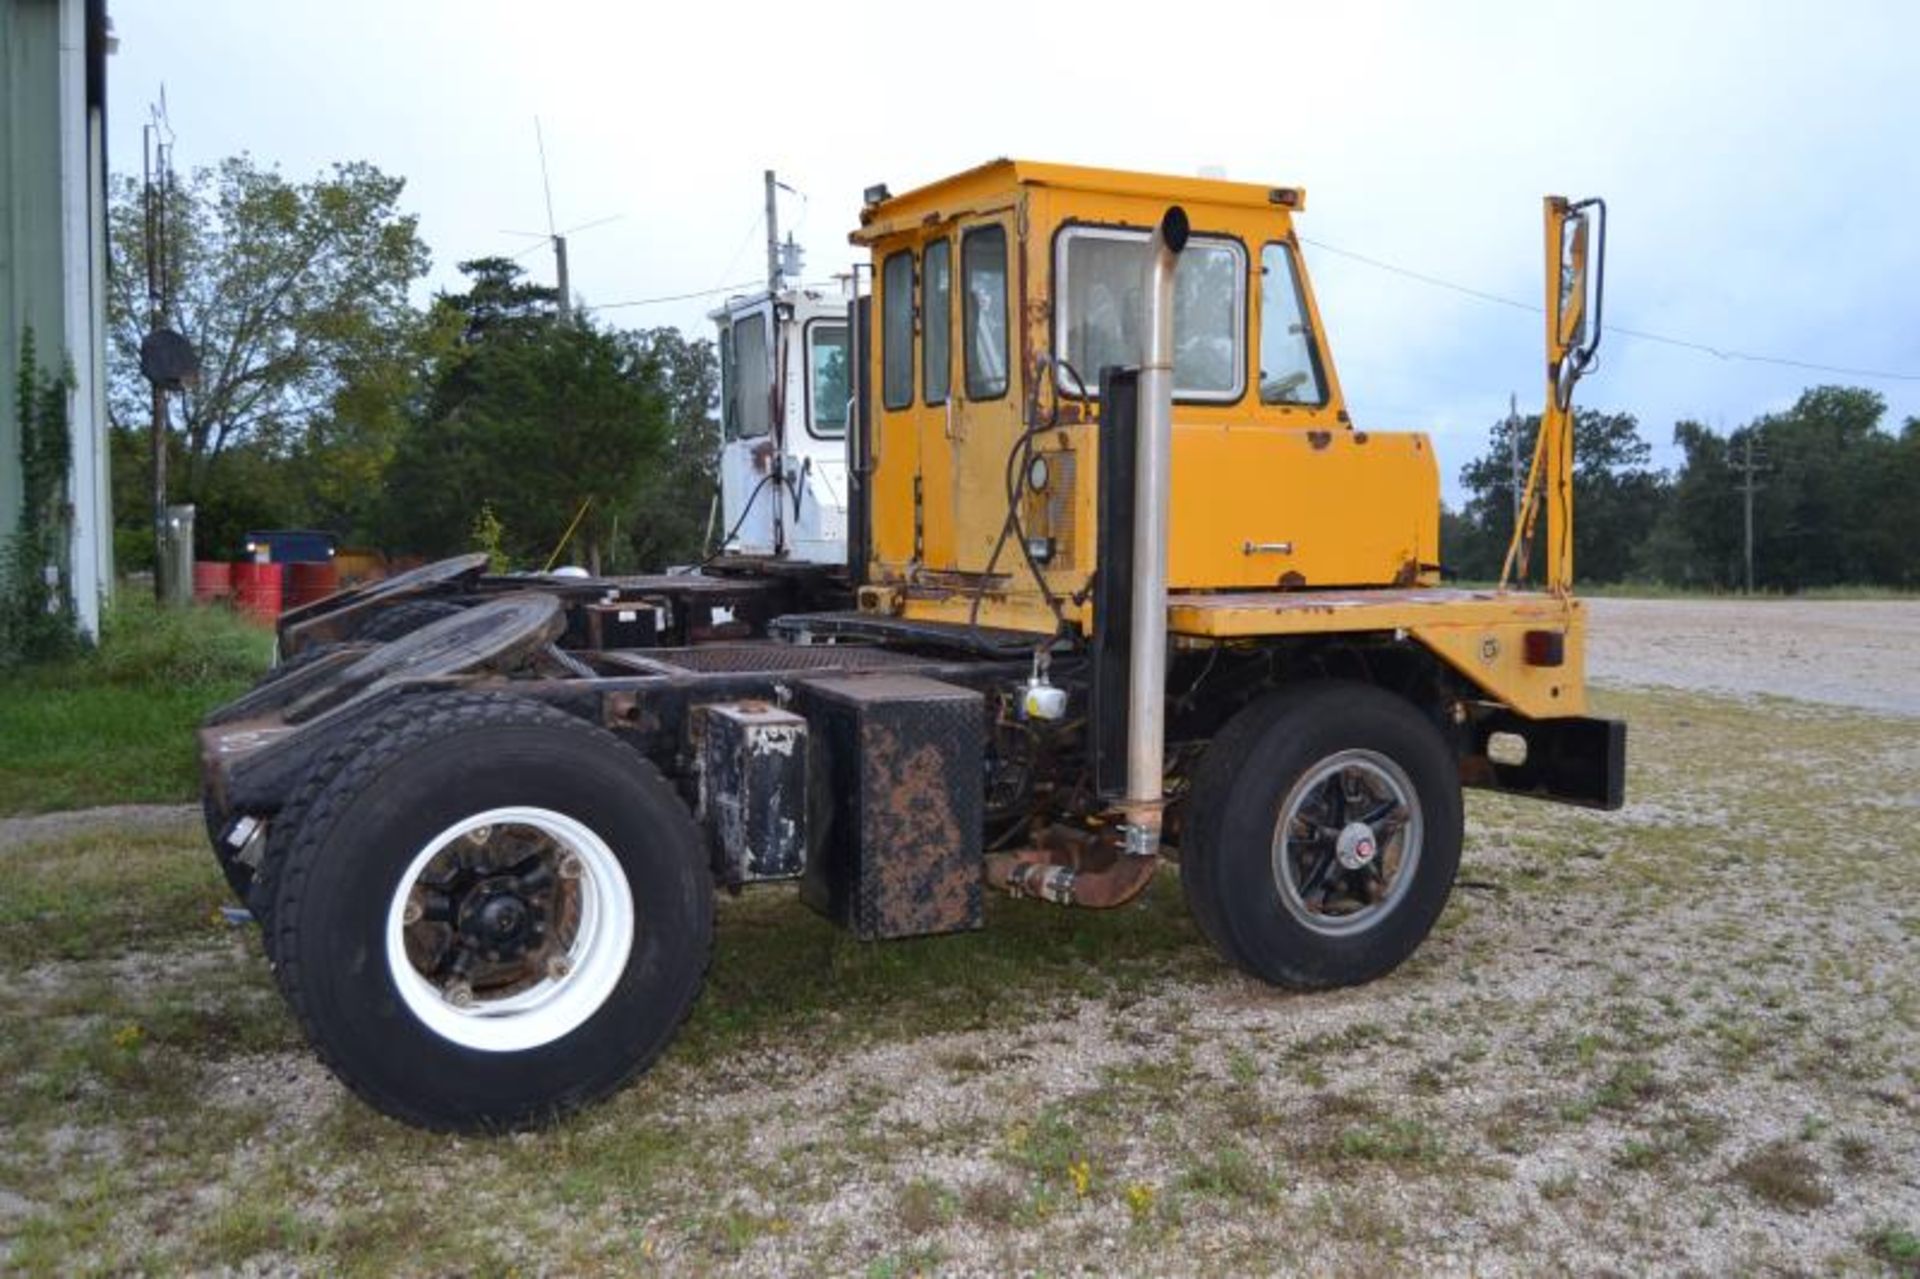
[{"x": 593, "y": 955}]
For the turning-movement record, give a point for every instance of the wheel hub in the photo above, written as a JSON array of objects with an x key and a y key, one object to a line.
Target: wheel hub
[
  {"x": 498, "y": 918},
  {"x": 1356, "y": 846}
]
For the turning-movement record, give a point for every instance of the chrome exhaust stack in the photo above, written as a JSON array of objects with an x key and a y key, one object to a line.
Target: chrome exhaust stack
[{"x": 1153, "y": 461}]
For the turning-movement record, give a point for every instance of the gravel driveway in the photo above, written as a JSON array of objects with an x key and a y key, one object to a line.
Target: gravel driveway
[{"x": 1859, "y": 653}]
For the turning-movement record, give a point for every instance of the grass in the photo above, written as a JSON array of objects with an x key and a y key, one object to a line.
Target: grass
[
  {"x": 1066, "y": 1089},
  {"x": 1783, "y": 1175},
  {"x": 115, "y": 725}
]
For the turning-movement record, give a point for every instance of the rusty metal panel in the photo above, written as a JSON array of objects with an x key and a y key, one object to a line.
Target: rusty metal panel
[
  {"x": 753, "y": 789},
  {"x": 903, "y": 757}
]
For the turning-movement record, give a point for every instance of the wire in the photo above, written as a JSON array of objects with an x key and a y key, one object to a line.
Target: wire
[
  {"x": 745, "y": 511},
  {"x": 1643, "y": 335},
  {"x": 672, "y": 297}
]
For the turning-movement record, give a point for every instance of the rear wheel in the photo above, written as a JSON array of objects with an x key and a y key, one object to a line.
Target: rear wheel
[
  {"x": 1323, "y": 835},
  {"x": 493, "y": 915}
]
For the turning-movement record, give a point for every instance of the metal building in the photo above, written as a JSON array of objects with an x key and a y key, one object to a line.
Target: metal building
[{"x": 53, "y": 258}]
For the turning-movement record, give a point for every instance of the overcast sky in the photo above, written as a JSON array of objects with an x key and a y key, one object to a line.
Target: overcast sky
[{"x": 1761, "y": 160}]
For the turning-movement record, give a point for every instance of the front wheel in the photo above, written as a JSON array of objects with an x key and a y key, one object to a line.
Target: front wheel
[
  {"x": 492, "y": 915},
  {"x": 1323, "y": 835}
]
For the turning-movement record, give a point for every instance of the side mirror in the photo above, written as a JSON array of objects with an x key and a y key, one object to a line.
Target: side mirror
[{"x": 1571, "y": 318}]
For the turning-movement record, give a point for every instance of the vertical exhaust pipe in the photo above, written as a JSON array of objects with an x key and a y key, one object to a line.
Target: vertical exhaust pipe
[{"x": 1153, "y": 459}]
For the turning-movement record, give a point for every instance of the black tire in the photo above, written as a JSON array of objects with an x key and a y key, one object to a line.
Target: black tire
[
  {"x": 403, "y": 619},
  {"x": 423, "y": 769},
  {"x": 240, "y": 877},
  {"x": 1228, "y": 860}
]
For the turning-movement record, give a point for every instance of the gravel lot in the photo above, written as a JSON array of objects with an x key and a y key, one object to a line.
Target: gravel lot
[
  {"x": 1861, "y": 653},
  {"x": 1684, "y": 1038}
]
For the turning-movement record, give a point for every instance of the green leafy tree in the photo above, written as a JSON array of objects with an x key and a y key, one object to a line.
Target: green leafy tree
[
  {"x": 1828, "y": 486},
  {"x": 293, "y": 293},
  {"x": 536, "y": 421},
  {"x": 677, "y": 489},
  {"x": 1617, "y": 495}
]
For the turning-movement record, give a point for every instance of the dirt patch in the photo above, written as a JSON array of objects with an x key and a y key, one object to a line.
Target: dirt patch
[{"x": 126, "y": 819}]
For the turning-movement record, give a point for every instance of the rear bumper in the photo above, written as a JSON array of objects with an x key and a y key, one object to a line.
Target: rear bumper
[{"x": 1576, "y": 760}]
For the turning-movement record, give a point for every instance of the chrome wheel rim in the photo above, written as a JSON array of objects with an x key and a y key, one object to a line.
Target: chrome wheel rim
[
  {"x": 1346, "y": 845},
  {"x": 509, "y": 929}
]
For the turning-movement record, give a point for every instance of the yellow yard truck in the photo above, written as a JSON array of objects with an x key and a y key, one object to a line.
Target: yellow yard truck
[{"x": 1130, "y": 587}]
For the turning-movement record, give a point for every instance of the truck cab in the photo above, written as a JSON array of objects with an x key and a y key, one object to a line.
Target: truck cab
[{"x": 785, "y": 398}]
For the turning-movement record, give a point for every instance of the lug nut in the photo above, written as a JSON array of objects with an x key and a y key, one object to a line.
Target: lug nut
[
  {"x": 559, "y": 966},
  {"x": 480, "y": 834},
  {"x": 460, "y": 995},
  {"x": 413, "y": 911},
  {"x": 570, "y": 867}
]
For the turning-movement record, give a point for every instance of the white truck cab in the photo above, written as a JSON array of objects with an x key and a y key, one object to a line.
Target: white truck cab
[{"x": 785, "y": 392}]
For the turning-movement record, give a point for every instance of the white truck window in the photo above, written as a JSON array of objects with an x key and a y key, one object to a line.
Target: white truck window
[
  {"x": 752, "y": 381},
  {"x": 827, "y": 384}
]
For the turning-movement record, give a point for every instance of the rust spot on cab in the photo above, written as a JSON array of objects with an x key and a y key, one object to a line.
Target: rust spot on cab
[{"x": 1319, "y": 439}]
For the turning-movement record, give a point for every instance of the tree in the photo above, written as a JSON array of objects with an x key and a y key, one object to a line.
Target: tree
[
  {"x": 676, "y": 495},
  {"x": 1616, "y": 498},
  {"x": 540, "y": 422},
  {"x": 290, "y": 292}
]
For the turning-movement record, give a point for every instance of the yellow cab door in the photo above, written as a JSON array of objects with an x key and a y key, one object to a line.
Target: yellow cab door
[
  {"x": 983, "y": 416},
  {"x": 894, "y": 451}
]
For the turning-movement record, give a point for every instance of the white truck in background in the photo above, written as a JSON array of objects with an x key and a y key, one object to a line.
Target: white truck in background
[{"x": 785, "y": 393}]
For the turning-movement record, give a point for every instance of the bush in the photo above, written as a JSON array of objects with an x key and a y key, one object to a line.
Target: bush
[{"x": 144, "y": 644}]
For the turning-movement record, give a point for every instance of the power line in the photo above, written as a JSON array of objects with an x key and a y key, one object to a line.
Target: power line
[
  {"x": 674, "y": 297},
  {"x": 1643, "y": 335}
]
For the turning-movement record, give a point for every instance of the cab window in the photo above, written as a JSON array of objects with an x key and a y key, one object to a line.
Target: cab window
[
  {"x": 936, "y": 322},
  {"x": 1101, "y": 277},
  {"x": 827, "y": 382},
  {"x": 1289, "y": 359},
  {"x": 751, "y": 384},
  {"x": 983, "y": 272},
  {"x": 896, "y": 331}
]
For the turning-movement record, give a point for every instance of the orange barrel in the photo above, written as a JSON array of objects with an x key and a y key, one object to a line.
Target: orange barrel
[
  {"x": 212, "y": 580},
  {"x": 256, "y": 589},
  {"x": 309, "y": 582}
]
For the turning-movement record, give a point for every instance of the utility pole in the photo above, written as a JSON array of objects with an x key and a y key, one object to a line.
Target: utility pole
[
  {"x": 560, "y": 278},
  {"x": 1513, "y": 451},
  {"x": 1749, "y": 467},
  {"x": 154, "y": 155},
  {"x": 773, "y": 235}
]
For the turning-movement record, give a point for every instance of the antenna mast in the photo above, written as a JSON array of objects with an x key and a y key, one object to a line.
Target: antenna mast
[
  {"x": 773, "y": 235},
  {"x": 561, "y": 284}
]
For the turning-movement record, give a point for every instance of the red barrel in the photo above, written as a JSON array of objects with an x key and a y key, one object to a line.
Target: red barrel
[
  {"x": 212, "y": 580},
  {"x": 309, "y": 582},
  {"x": 256, "y": 589}
]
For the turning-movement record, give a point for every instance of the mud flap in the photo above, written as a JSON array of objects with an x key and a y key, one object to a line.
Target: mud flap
[{"x": 1575, "y": 760}]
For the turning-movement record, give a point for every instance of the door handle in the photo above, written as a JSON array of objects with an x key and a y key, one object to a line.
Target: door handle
[{"x": 1266, "y": 548}]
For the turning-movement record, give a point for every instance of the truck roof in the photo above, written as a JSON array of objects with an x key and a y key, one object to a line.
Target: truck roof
[{"x": 958, "y": 191}]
